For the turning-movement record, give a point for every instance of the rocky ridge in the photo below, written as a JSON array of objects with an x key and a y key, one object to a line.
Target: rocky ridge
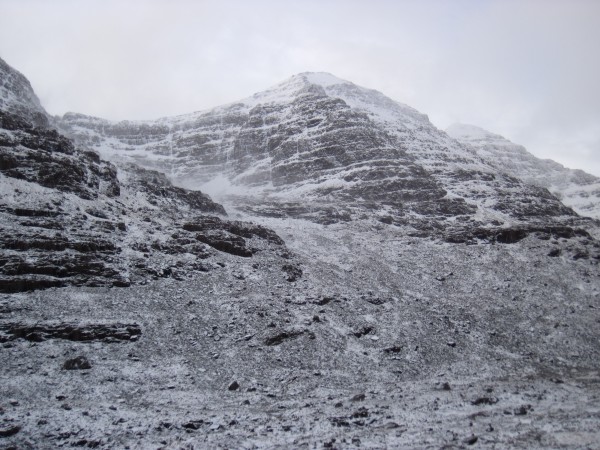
[{"x": 575, "y": 188}]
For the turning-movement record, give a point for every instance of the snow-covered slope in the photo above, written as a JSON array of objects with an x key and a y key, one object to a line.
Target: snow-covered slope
[{"x": 576, "y": 188}]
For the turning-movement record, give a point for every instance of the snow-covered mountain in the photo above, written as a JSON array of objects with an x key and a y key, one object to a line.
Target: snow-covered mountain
[
  {"x": 369, "y": 282},
  {"x": 316, "y": 137},
  {"x": 576, "y": 188}
]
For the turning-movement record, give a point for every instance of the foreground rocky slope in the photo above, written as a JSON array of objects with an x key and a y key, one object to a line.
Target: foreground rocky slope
[
  {"x": 387, "y": 341},
  {"x": 575, "y": 188},
  {"x": 427, "y": 300}
]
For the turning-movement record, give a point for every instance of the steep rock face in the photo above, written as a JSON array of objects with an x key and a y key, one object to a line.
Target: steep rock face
[
  {"x": 576, "y": 188},
  {"x": 44, "y": 156},
  {"x": 320, "y": 139},
  {"x": 17, "y": 96}
]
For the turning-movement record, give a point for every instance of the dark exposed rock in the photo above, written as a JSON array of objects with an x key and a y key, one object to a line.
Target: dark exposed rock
[
  {"x": 393, "y": 349},
  {"x": 52, "y": 243},
  {"x": 471, "y": 440},
  {"x": 375, "y": 300},
  {"x": 226, "y": 242},
  {"x": 580, "y": 253},
  {"x": 57, "y": 265},
  {"x": 230, "y": 236},
  {"x": 77, "y": 363},
  {"x": 363, "y": 331},
  {"x": 44, "y": 156},
  {"x": 33, "y": 212},
  {"x": 8, "y": 431},
  {"x": 360, "y": 412},
  {"x": 233, "y": 386},
  {"x": 241, "y": 229},
  {"x": 193, "y": 425},
  {"x": 522, "y": 410},
  {"x": 53, "y": 269},
  {"x": 340, "y": 421},
  {"x": 283, "y": 336},
  {"x": 510, "y": 236},
  {"x": 116, "y": 332},
  {"x": 10, "y": 284},
  {"x": 484, "y": 401},
  {"x": 293, "y": 272},
  {"x": 96, "y": 213},
  {"x": 513, "y": 235},
  {"x": 324, "y": 300}
]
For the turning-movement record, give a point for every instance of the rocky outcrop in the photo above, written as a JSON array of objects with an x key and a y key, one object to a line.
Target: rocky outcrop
[
  {"x": 45, "y": 157},
  {"x": 158, "y": 189},
  {"x": 241, "y": 229},
  {"x": 44, "y": 240},
  {"x": 514, "y": 234},
  {"x": 230, "y": 236}
]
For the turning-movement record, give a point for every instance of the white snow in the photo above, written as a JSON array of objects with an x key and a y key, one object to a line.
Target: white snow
[{"x": 463, "y": 131}]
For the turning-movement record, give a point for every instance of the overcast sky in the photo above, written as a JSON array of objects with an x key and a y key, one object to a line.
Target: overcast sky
[{"x": 529, "y": 70}]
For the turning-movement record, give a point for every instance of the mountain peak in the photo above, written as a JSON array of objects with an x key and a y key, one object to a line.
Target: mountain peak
[{"x": 323, "y": 79}]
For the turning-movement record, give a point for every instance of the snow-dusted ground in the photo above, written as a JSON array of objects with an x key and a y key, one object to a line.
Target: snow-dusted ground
[{"x": 512, "y": 331}]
